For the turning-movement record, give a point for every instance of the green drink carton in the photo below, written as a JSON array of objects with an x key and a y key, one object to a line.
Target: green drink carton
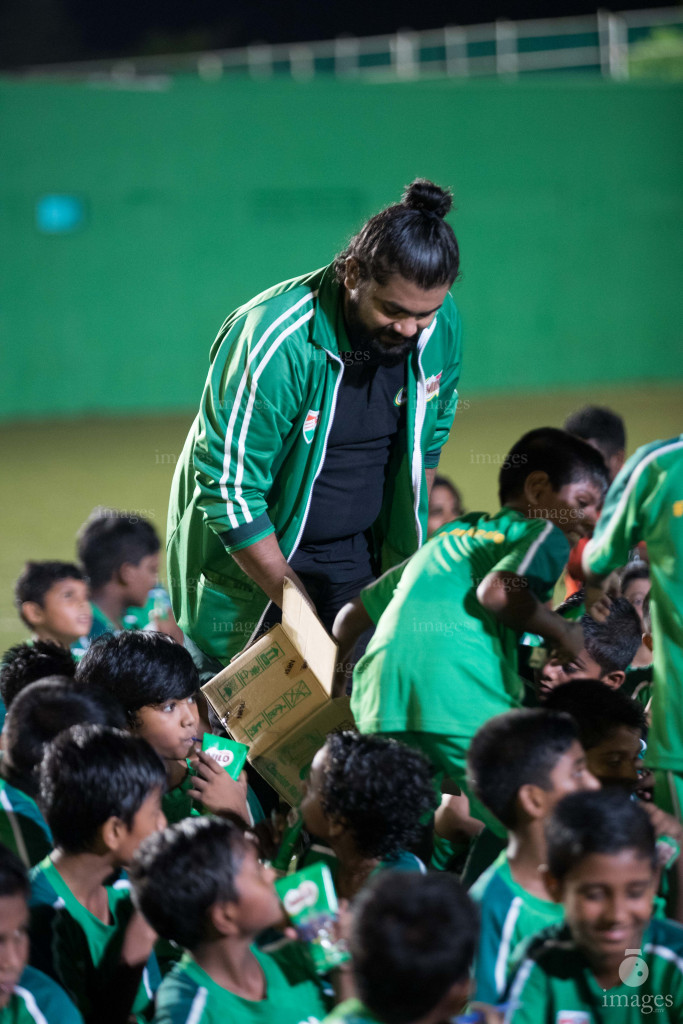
[
  {"x": 310, "y": 901},
  {"x": 229, "y": 754}
]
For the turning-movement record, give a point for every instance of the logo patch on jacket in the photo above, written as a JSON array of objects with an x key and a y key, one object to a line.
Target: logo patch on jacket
[
  {"x": 400, "y": 397},
  {"x": 310, "y": 423},
  {"x": 433, "y": 384}
]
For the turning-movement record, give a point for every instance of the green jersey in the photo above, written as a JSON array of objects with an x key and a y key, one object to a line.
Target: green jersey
[
  {"x": 75, "y": 947},
  {"x": 555, "y": 985},
  {"x": 188, "y": 995},
  {"x": 645, "y": 502},
  {"x": 439, "y": 662},
  {"x": 351, "y": 1011},
  {"x": 509, "y": 914},
  {"x": 22, "y": 827},
  {"x": 37, "y": 999}
]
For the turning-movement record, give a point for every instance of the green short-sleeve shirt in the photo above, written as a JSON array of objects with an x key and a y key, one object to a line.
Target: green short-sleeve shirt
[
  {"x": 75, "y": 947},
  {"x": 351, "y": 1011},
  {"x": 645, "y": 502},
  {"x": 37, "y": 999},
  {"x": 188, "y": 995},
  {"x": 22, "y": 826},
  {"x": 555, "y": 985},
  {"x": 439, "y": 662},
  {"x": 509, "y": 914}
]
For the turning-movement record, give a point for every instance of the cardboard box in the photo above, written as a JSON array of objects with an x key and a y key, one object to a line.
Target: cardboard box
[{"x": 276, "y": 696}]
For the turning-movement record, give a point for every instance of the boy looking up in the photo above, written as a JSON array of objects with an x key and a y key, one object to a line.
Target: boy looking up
[
  {"x": 156, "y": 681},
  {"x": 521, "y": 763},
  {"x": 120, "y": 554},
  {"x": 201, "y": 885},
  {"x": 26, "y": 995},
  {"x": 367, "y": 797},
  {"x": 645, "y": 502},
  {"x": 611, "y": 729},
  {"x": 101, "y": 790},
  {"x": 54, "y": 602},
  {"x": 609, "y": 648},
  {"x": 611, "y": 960},
  {"x": 443, "y": 659},
  {"x": 412, "y": 942},
  {"x": 39, "y": 713}
]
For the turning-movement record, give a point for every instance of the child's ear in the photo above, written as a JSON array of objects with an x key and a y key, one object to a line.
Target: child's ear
[
  {"x": 553, "y": 885},
  {"x": 124, "y": 571},
  {"x": 531, "y": 800},
  {"x": 613, "y": 679},
  {"x": 33, "y": 613},
  {"x": 336, "y": 827},
  {"x": 535, "y": 487},
  {"x": 113, "y": 832},
  {"x": 223, "y": 918},
  {"x": 647, "y": 640}
]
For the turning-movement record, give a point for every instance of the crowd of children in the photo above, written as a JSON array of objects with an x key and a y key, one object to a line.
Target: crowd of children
[{"x": 519, "y": 714}]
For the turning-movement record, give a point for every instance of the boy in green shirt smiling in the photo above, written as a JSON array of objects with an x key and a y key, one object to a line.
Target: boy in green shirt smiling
[
  {"x": 522, "y": 763},
  {"x": 443, "y": 659},
  {"x": 611, "y": 962}
]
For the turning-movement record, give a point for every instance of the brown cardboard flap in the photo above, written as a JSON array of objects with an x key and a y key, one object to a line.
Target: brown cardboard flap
[
  {"x": 309, "y": 635},
  {"x": 285, "y": 764}
]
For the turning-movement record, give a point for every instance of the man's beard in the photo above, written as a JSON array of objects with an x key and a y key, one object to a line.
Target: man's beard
[{"x": 379, "y": 351}]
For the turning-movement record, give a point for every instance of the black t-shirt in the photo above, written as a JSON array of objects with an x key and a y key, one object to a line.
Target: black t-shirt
[{"x": 347, "y": 496}]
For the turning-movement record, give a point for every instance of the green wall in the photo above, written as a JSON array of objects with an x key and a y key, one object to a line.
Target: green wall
[{"x": 569, "y": 216}]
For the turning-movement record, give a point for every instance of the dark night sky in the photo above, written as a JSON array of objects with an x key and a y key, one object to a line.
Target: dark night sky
[{"x": 43, "y": 31}]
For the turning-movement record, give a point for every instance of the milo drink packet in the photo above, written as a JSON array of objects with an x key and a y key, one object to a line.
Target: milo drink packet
[
  {"x": 229, "y": 754},
  {"x": 310, "y": 901}
]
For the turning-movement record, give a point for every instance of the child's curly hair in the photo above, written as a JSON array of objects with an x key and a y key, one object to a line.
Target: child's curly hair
[{"x": 380, "y": 789}]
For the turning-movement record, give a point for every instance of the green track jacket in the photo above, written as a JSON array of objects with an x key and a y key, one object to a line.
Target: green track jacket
[{"x": 258, "y": 443}]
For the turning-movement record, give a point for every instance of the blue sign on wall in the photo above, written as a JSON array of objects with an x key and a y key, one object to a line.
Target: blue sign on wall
[{"x": 59, "y": 214}]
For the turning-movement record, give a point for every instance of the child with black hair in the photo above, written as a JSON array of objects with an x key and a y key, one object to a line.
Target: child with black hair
[
  {"x": 443, "y": 659},
  {"x": 156, "y": 681},
  {"x": 611, "y": 960},
  {"x": 39, "y": 713},
  {"x": 412, "y": 942},
  {"x": 27, "y": 996},
  {"x": 521, "y": 765},
  {"x": 201, "y": 885},
  {"x": 100, "y": 790},
  {"x": 611, "y": 728},
  {"x": 367, "y": 797},
  {"x": 635, "y": 587},
  {"x": 609, "y": 648},
  {"x": 53, "y": 600},
  {"x": 603, "y": 429},
  {"x": 120, "y": 554},
  {"x": 29, "y": 661}
]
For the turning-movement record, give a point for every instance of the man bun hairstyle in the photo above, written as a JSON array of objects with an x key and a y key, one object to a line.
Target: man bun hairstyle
[{"x": 410, "y": 238}]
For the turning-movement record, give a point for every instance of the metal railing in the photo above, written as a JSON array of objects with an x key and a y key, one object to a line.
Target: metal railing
[{"x": 598, "y": 43}]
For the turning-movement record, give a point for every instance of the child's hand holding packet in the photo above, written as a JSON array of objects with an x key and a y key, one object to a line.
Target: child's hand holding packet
[
  {"x": 220, "y": 784},
  {"x": 311, "y": 904}
]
